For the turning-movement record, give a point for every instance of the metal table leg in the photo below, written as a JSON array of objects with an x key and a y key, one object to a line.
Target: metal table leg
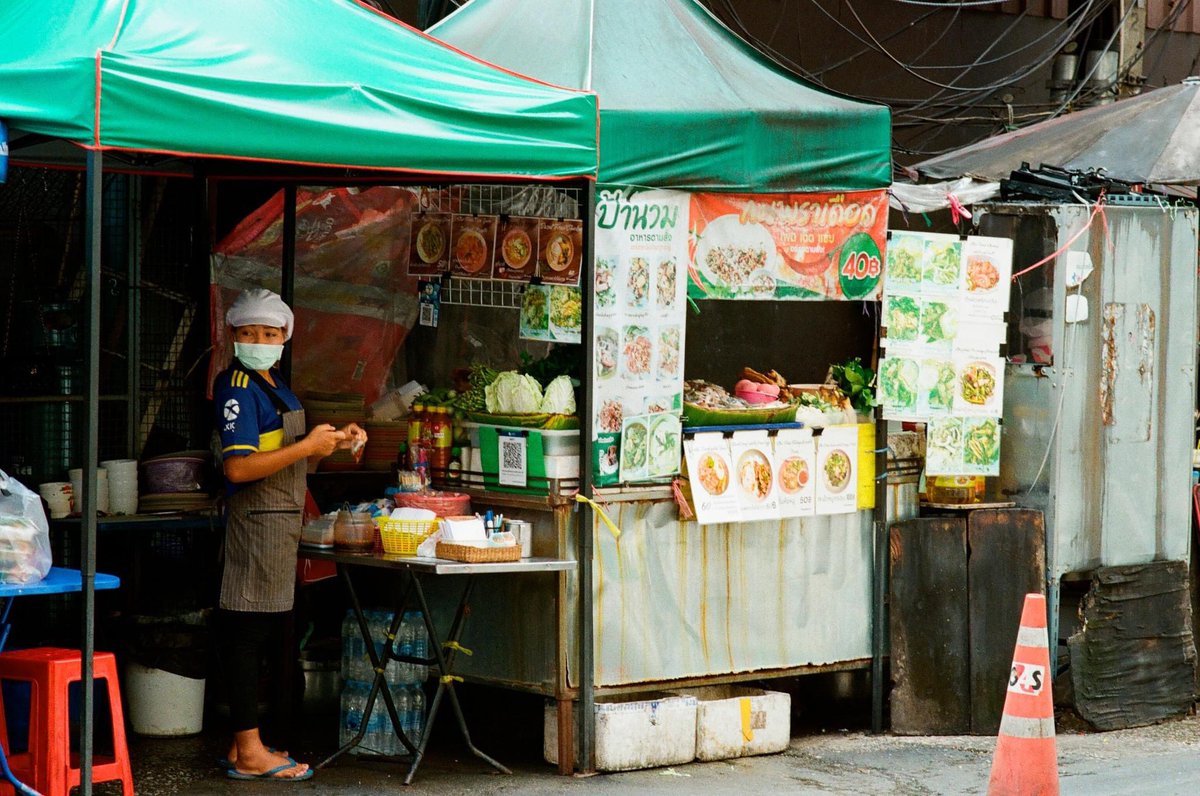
[{"x": 446, "y": 679}]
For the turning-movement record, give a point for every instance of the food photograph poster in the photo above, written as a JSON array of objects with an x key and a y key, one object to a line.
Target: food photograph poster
[
  {"x": 640, "y": 299},
  {"x": 822, "y": 246}
]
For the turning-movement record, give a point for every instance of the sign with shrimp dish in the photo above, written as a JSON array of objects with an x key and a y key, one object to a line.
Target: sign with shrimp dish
[{"x": 753, "y": 475}]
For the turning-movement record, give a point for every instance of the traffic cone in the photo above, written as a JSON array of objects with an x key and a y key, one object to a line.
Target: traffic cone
[{"x": 1026, "y": 761}]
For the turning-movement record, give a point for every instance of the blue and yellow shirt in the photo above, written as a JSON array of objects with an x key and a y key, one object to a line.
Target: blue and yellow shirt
[{"x": 246, "y": 417}]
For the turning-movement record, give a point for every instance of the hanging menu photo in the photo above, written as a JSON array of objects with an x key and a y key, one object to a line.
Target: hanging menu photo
[
  {"x": 711, "y": 475},
  {"x": 473, "y": 238},
  {"x": 795, "y": 463},
  {"x": 560, "y": 251},
  {"x": 514, "y": 257},
  {"x": 429, "y": 244},
  {"x": 837, "y": 483}
]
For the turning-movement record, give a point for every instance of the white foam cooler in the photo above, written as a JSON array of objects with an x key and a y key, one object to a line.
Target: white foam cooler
[
  {"x": 635, "y": 731},
  {"x": 735, "y": 721}
]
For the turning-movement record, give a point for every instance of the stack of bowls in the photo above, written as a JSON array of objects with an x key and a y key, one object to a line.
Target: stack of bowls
[
  {"x": 57, "y": 495},
  {"x": 122, "y": 485},
  {"x": 76, "y": 476}
]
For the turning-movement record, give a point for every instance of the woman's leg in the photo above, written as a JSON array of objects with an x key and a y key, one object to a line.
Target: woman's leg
[{"x": 245, "y": 636}]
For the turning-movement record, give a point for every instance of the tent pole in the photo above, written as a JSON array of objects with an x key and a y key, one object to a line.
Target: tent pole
[
  {"x": 587, "y": 652},
  {"x": 95, "y": 179},
  {"x": 879, "y": 587},
  {"x": 287, "y": 287}
]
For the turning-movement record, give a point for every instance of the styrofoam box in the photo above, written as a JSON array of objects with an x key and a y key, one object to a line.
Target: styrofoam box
[
  {"x": 735, "y": 721},
  {"x": 635, "y": 731}
]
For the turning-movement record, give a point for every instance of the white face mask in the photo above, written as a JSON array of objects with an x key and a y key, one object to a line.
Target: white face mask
[{"x": 257, "y": 356}]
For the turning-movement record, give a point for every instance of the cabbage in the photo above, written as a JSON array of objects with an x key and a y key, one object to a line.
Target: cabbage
[
  {"x": 560, "y": 397},
  {"x": 513, "y": 394}
]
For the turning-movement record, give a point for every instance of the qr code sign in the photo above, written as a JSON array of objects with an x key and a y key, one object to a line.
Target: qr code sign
[{"x": 513, "y": 457}]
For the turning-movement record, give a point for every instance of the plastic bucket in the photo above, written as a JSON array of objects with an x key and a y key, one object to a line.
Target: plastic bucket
[{"x": 162, "y": 704}]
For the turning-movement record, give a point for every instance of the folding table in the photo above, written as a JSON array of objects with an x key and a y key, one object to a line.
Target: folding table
[{"x": 412, "y": 570}]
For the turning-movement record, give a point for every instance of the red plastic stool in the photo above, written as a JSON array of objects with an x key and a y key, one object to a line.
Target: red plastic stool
[{"x": 49, "y": 766}]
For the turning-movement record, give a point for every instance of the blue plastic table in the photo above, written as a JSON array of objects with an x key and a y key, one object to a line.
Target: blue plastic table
[{"x": 58, "y": 580}]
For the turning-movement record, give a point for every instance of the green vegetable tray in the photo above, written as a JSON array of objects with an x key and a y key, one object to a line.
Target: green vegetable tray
[
  {"x": 695, "y": 415},
  {"x": 542, "y": 421}
]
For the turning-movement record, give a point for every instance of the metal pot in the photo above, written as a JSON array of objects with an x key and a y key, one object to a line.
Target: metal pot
[{"x": 322, "y": 685}]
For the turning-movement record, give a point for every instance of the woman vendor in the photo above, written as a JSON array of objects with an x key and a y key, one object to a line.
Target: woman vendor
[{"x": 265, "y": 453}]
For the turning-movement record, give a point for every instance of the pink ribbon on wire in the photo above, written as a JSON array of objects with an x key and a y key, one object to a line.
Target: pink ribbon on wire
[
  {"x": 1098, "y": 209},
  {"x": 957, "y": 209}
]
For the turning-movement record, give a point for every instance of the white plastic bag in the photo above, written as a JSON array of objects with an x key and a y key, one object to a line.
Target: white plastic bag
[{"x": 24, "y": 533}]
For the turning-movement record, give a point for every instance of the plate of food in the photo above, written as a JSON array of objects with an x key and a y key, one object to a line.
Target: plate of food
[
  {"x": 943, "y": 263},
  {"x": 634, "y": 447},
  {"x": 611, "y": 416},
  {"x": 730, "y": 254},
  {"x": 606, "y": 354},
  {"x": 836, "y": 471},
  {"x": 431, "y": 242},
  {"x": 902, "y": 317},
  {"x": 981, "y": 443},
  {"x": 754, "y": 475},
  {"x": 559, "y": 251},
  {"x": 516, "y": 248},
  {"x": 666, "y": 282},
  {"x": 977, "y": 383},
  {"x": 637, "y": 351},
  {"x": 566, "y": 309},
  {"x": 470, "y": 251},
  {"x": 793, "y": 474},
  {"x": 534, "y": 317},
  {"x": 606, "y": 277},
  {"x": 713, "y": 473},
  {"x": 904, "y": 260},
  {"x": 637, "y": 285},
  {"x": 898, "y": 382},
  {"x": 664, "y": 445},
  {"x": 982, "y": 275}
]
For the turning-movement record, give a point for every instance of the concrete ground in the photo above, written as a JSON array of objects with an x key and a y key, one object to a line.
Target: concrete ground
[{"x": 1163, "y": 759}]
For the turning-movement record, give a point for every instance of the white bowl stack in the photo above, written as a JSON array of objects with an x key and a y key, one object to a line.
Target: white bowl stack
[
  {"x": 122, "y": 485},
  {"x": 76, "y": 476}
]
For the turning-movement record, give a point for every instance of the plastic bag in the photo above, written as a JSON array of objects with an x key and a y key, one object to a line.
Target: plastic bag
[{"x": 24, "y": 533}]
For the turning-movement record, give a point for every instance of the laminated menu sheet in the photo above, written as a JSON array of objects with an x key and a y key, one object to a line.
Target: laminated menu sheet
[
  {"x": 795, "y": 464},
  {"x": 711, "y": 474},
  {"x": 837, "y": 457}
]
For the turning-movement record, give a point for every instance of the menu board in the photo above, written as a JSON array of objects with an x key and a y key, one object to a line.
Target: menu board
[
  {"x": 473, "y": 238},
  {"x": 754, "y": 475},
  {"x": 560, "y": 251},
  {"x": 552, "y": 312},
  {"x": 711, "y": 475},
  {"x": 640, "y": 299},
  {"x": 650, "y": 446},
  {"x": 943, "y": 308},
  {"x": 429, "y": 244},
  {"x": 837, "y": 483},
  {"x": 514, "y": 256},
  {"x": 823, "y": 246},
  {"x": 795, "y": 465}
]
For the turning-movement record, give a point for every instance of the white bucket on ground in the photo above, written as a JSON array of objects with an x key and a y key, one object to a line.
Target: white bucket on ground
[{"x": 161, "y": 703}]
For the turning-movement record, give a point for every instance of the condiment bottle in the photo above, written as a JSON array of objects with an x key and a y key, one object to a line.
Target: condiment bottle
[
  {"x": 455, "y": 473},
  {"x": 441, "y": 439},
  {"x": 416, "y": 418}
]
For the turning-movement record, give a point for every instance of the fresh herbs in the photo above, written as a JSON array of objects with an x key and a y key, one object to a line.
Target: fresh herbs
[{"x": 857, "y": 382}]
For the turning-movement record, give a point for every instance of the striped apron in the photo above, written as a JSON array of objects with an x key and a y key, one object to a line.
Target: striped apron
[{"x": 262, "y": 529}]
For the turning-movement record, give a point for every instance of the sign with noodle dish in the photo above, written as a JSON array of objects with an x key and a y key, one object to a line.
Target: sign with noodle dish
[{"x": 820, "y": 246}]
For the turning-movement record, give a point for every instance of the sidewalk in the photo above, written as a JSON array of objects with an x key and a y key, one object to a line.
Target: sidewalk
[{"x": 1163, "y": 759}]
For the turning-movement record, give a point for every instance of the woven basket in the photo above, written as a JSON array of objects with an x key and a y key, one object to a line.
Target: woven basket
[
  {"x": 478, "y": 555},
  {"x": 402, "y": 537}
]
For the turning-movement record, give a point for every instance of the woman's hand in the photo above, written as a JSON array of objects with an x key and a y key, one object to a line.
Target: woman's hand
[
  {"x": 355, "y": 438},
  {"x": 325, "y": 439}
]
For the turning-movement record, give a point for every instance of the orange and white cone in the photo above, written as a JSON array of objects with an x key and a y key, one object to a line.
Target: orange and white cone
[{"x": 1026, "y": 761}]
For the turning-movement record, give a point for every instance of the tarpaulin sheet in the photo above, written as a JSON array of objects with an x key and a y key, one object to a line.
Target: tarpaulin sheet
[
  {"x": 684, "y": 102},
  {"x": 354, "y": 301},
  {"x": 316, "y": 82}
]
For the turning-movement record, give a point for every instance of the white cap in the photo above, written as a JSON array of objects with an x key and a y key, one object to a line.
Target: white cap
[{"x": 261, "y": 307}]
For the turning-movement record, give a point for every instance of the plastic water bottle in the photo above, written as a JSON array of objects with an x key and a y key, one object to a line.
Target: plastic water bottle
[
  {"x": 354, "y": 698},
  {"x": 416, "y": 702},
  {"x": 403, "y": 708},
  {"x": 349, "y": 633},
  {"x": 420, "y": 646},
  {"x": 405, "y": 648}
]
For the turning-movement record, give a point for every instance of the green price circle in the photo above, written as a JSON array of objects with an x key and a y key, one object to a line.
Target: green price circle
[{"x": 860, "y": 266}]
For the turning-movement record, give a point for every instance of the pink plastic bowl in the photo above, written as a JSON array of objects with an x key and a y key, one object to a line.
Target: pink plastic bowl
[{"x": 756, "y": 397}]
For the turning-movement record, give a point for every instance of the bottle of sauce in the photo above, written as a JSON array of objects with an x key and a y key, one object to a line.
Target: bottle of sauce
[
  {"x": 441, "y": 440},
  {"x": 455, "y": 473},
  {"x": 416, "y": 417}
]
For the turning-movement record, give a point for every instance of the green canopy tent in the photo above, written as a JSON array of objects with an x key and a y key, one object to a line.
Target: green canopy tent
[
  {"x": 317, "y": 87},
  {"x": 684, "y": 102}
]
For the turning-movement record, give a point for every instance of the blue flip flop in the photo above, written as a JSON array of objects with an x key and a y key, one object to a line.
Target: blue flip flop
[{"x": 233, "y": 773}]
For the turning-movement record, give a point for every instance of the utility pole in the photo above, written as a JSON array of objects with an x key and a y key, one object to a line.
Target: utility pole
[{"x": 1130, "y": 41}]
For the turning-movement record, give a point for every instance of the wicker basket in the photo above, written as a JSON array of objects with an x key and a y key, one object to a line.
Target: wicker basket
[
  {"x": 478, "y": 555},
  {"x": 402, "y": 537}
]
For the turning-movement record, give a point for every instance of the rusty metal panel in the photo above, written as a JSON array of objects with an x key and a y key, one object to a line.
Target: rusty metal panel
[
  {"x": 1101, "y": 440},
  {"x": 674, "y": 599},
  {"x": 1007, "y": 561},
  {"x": 927, "y": 597}
]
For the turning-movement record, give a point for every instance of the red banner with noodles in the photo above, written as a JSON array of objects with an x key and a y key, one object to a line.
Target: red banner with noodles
[{"x": 815, "y": 246}]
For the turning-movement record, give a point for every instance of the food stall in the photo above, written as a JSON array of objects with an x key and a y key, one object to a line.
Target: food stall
[
  {"x": 146, "y": 88},
  {"x": 766, "y": 190}
]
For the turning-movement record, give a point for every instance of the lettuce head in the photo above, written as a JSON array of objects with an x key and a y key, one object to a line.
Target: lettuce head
[
  {"x": 513, "y": 394},
  {"x": 560, "y": 397}
]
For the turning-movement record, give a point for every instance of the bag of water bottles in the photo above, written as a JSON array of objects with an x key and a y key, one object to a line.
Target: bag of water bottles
[{"x": 403, "y": 680}]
